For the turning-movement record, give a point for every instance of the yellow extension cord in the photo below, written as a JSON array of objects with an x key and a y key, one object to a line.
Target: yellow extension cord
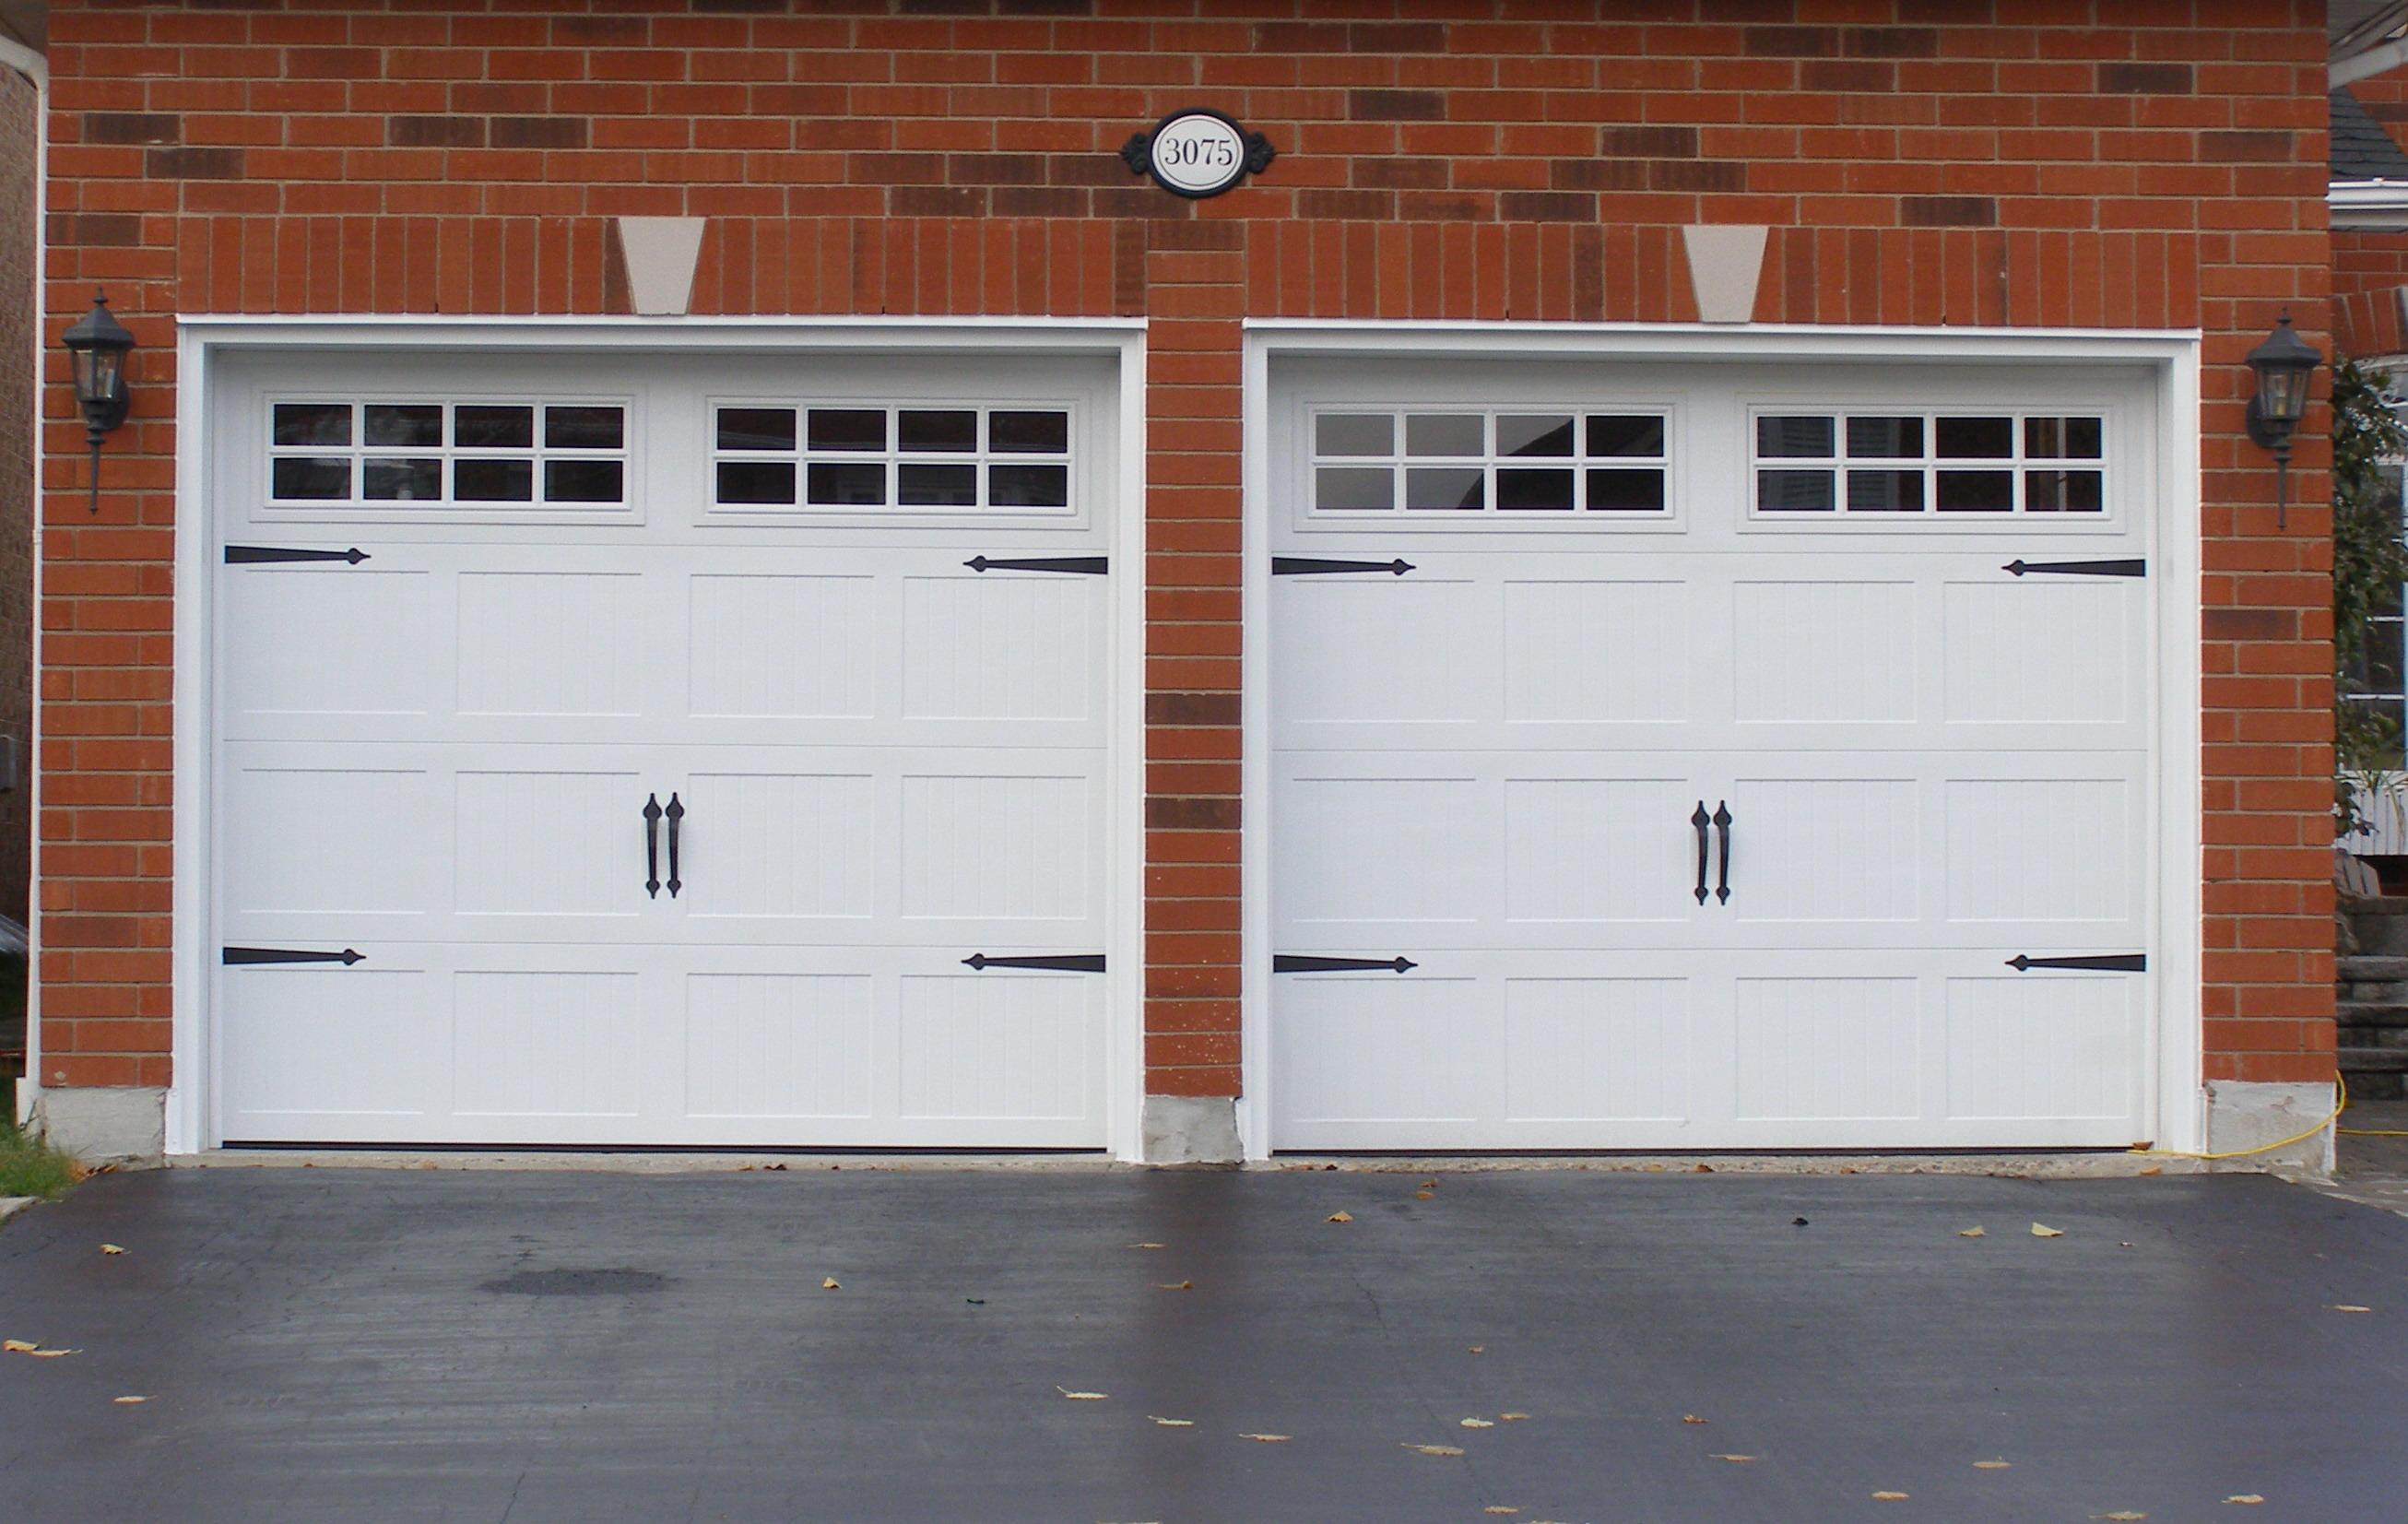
[
  {"x": 2358, "y": 1132},
  {"x": 2341, "y": 1103}
]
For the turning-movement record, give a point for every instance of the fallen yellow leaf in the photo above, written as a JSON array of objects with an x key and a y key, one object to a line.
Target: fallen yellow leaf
[
  {"x": 1889, "y": 1497},
  {"x": 1173, "y": 1423},
  {"x": 1691, "y": 1417},
  {"x": 2350, "y": 1307},
  {"x": 50, "y": 1354},
  {"x": 112, "y": 1248},
  {"x": 2154, "y": 1169},
  {"x": 1429, "y": 1185},
  {"x": 1970, "y": 1232},
  {"x": 2125, "y": 1516},
  {"x": 2044, "y": 1230},
  {"x": 1477, "y": 1349},
  {"x": 829, "y": 1284},
  {"x": 1083, "y": 1397},
  {"x": 1736, "y": 1460},
  {"x": 1266, "y": 1439},
  {"x": 1425, "y": 1196},
  {"x": 17, "y": 1346},
  {"x": 2251, "y": 1497},
  {"x": 1174, "y": 1286},
  {"x": 1513, "y": 1418},
  {"x": 1992, "y": 1465},
  {"x": 1145, "y": 1245},
  {"x": 1340, "y": 1216},
  {"x": 1478, "y": 1423},
  {"x": 1499, "y": 1508},
  {"x": 129, "y": 1401},
  {"x": 1435, "y": 1449}
]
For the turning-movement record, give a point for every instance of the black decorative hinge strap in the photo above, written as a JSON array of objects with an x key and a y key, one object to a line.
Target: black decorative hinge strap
[
  {"x": 237, "y": 957},
  {"x": 1306, "y": 963},
  {"x": 240, "y": 555},
  {"x": 1307, "y": 566},
  {"x": 1085, "y": 565},
  {"x": 2102, "y": 963},
  {"x": 1065, "y": 963},
  {"x": 2079, "y": 568}
]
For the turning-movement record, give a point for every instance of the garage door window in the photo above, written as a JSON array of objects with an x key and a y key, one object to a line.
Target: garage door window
[
  {"x": 1929, "y": 463},
  {"x": 1510, "y": 466},
  {"x": 930, "y": 459},
  {"x": 448, "y": 454}
]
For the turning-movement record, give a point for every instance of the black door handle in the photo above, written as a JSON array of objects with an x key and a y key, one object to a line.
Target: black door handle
[
  {"x": 652, "y": 846},
  {"x": 1722, "y": 827},
  {"x": 676, "y": 813},
  {"x": 1698, "y": 820}
]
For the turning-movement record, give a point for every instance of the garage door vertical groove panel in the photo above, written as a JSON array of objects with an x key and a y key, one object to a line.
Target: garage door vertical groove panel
[
  {"x": 1732, "y": 732},
  {"x": 663, "y": 752}
]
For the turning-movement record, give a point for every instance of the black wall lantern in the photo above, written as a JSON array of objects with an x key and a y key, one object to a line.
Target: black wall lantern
[
  {"x": 97, "y": 346},
  {"x": 2283, "y": 364}
]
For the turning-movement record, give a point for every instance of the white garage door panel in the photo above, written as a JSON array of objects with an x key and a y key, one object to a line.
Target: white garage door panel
[
  {"x": 301, "y": 1048},
  {"x": 437, "y": 754},
  {"x": 1928, "y": 733},
  {"x": 622, "y": 1045},
  {"x": 1545, "y": 850},
  {"x": 307, "y": 641},
  {"x": 340, "y": 833},
  {"x": 1724, "y": 648},
  {"x": 1884, "y": 1048},
  {"x": 582, "y": 644}
]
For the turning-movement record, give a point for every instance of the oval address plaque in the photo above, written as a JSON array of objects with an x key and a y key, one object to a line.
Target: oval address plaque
[{"x": 1197, "y": 152}]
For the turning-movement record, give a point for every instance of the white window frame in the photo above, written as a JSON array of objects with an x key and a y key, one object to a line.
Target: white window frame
[
  {"x": 266, "y": 508},
  {"x": 1931, "y": 516},
  {"x": 1489, "y": 518},
  {"x": 1072, "y": 514},
  {"x": 1305, "y": 518}
]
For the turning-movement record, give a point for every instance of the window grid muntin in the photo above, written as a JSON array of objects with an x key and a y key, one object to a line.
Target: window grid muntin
[
  {"x": 893, "y": 460},
  {"x": 359, "y": 457},
  {"x": 1496, "y": 470},
  {"x": 2022, "y": 465}
]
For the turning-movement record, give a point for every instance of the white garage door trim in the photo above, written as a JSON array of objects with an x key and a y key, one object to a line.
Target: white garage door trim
[
  {"x": 203, "y": 341},
  {"x": 2176, "y": 1097}
]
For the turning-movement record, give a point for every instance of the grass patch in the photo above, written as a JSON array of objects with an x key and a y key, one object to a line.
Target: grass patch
[{"x": 30, "y": 1167}]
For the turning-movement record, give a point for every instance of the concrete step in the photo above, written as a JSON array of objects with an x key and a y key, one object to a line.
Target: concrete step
[
  {"x": 2375, "y": 1087},
  {"x": 2370, "y": 1013},
  {"x": 2373, "y": 992},
  {"x": 2354, "y": 1061},
  {"x": 2382, "y": 1039},
  {"x": 2372, "y": 968},
  {"x": 2379, "y": 936}
]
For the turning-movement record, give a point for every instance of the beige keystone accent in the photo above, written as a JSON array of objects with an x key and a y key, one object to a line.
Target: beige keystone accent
[
  {"x": 1726, "y": 265},
  {"x": 661, "y": 255}
]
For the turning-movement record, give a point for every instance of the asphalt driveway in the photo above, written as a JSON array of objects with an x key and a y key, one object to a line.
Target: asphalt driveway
[{"x": 322, "y": 1345}]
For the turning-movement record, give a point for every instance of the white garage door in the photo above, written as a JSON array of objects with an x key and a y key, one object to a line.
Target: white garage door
[
  {"x": 1687, "y": 758},
  {"x": 661, "y": 752}
]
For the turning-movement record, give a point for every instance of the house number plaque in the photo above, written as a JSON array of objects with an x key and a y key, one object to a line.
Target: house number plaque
[{"x": 1197, "y": 152}]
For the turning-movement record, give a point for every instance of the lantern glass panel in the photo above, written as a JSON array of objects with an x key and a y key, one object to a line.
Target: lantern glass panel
[
  {"x": 97, "y": 371},
  {"x": 2283, "y": 393}
]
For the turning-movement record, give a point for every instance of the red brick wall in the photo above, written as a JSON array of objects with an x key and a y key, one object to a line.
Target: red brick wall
[
  {"x": 20, "y": 321},
  {"x": 2369, "y": 270},
  {"x": 2125, "y": 162},
  {"x": 2386, "y": 99}
]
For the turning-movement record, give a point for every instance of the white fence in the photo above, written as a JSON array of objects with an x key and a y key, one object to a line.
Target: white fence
[{"x": 2385, "y": 809}]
